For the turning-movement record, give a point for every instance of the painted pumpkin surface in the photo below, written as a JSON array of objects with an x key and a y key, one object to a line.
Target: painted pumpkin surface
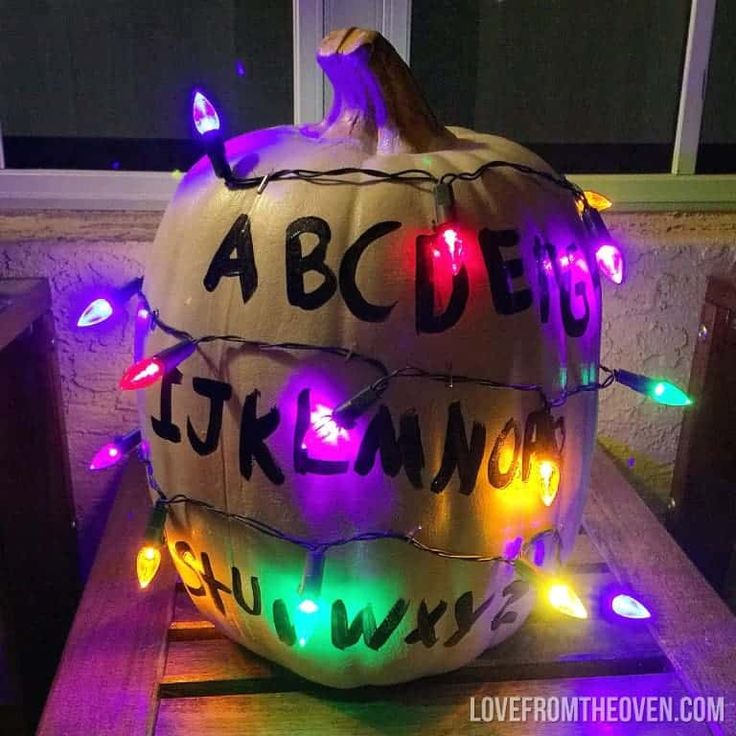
[{"x": 458, "y": 465}]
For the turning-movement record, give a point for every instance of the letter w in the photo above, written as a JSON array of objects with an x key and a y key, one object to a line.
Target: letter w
[{"x": 345, "y": 635}]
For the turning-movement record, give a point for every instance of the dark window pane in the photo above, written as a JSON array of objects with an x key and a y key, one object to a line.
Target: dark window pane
[
  {"x": 593, "y": 87},
  {"x": 107, "y": 83},
  {"x": 717, "y": 153}
]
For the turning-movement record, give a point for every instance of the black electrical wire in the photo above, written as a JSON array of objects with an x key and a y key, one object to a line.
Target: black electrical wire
[
  {"x": 340, "y": 175},
  {"x": 323, "y": 547}
]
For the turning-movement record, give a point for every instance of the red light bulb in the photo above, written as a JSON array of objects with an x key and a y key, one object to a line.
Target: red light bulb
[
  {"x": 141, "y": 374},
  {"x": 148, "y": 371},
  {"x": 448, "y": 246}
]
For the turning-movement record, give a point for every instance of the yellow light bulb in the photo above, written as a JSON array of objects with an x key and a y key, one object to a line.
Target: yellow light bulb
[
  {"x": 550, "y": 481},
  {"x": 595, "y": 200},
  {"x": 147, "y": 564},
  {"x": 563, "y": 598}
]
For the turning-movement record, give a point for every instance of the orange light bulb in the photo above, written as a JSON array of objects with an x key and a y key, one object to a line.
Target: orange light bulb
[{"x": 595, "y": 200}]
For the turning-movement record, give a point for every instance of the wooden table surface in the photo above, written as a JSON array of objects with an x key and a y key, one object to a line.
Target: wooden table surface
[{"x": 146, "y": 663}]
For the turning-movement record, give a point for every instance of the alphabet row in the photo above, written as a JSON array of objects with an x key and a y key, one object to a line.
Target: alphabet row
[
  {"x": 235, "y": 258},
  {"x": 344, "y": 632},
  {"x": 542, "y": 435}
]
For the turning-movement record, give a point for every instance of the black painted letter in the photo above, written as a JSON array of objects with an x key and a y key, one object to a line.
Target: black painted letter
[
  {"x": 243, "y": 265},
  {"x": 354, "y": 300},
  {"x": 218, "y": 393},
  {"x": 297, "y": 264}
]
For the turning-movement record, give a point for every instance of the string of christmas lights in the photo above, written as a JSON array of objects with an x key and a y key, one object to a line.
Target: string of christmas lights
[
  {"x": 558, "y": 593},
  {"x": 149, "y": 370},
  {"x": 447, "y": 244},
  {"x": 447, "y": 241}
]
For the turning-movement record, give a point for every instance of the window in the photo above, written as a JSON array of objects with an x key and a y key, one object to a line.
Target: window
[
  {"x": 609, "y": 93},
  {"x": 717, "y": 153},
  {"x": 590, "y": 87},
  {"x": 106, "y": 84}
]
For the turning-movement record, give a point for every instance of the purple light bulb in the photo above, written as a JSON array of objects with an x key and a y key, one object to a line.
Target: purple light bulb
[
  {"x": 113, "y": 452},
  {"x": 103, "y": 307},
  {"x": 204, "y": 114},
  {"x": 97, "y": 311}
]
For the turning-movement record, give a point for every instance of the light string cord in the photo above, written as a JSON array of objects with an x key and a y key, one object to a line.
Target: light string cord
[
  {"x": 406, "y": 175},
  {"x": 411, "y": 371},
  {"x": 323, "y": 547},
  {"x": 380, "y": 385},
  {"x": 262, "y": 345}
]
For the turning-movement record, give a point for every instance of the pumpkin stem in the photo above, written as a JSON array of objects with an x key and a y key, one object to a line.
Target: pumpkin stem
[{"x": 376, "y": 99}]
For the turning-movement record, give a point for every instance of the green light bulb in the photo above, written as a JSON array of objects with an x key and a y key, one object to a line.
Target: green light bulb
[
  {"x": 308, "y": 606},
  {"x": 659, "y": 390},
  {"x": 664, "y": 392}
]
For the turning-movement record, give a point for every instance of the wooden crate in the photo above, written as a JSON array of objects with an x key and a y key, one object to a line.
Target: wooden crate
[
  {"x": 702, "y": 514},
  {"x": 39, "y": 579},
  {"x": 146, "y": 663}
]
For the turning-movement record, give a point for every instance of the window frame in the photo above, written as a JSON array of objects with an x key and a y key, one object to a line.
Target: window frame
[{"x": 681, "y": 190}]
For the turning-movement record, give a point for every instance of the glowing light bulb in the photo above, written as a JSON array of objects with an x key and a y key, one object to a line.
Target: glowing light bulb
[
  {"x": 96, "y": 311},
  {"x": 564, "y": 599},
  {"x": 113, "y": 452},
  {"x": 106, "y": 456},
  {"x": 326, "y": 427},
  {"x": 148, "y": 371},
  {"x": 147, "y": 563},
  {"x": 448, "y": 246},
  {"x": 595, "y": 200},
  {"x": 659, "y": 390},
  {"x": 610, "y": 262},
  {"x": 309, "y": 591},
  {"x": 550, "y": 481},
  {"x": 627, "y": 606},
  {"x": 143, "y": 314},
  {"x": 141, "y": 374},
  {"x": 667, "y": 393},
  {"x": 103, "y": 307},
  {"x": 204, "y": 115},
  {"x": 308, "y": 606},
  {"x": 148, "y": 559}
]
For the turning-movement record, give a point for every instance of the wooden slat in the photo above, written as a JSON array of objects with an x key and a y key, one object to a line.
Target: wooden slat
[
  {"x": 196, "y": 666},
  {"x": 692, "y": 625},
  {"x": 414, "y": 708},
  {"x": 114, "y": 656},
  {"x": 585, "y": 557},
  {"x": 187, "y": 622}
]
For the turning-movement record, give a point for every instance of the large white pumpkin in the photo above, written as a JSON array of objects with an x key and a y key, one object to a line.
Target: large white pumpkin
[{"x": 345, "y": 264}]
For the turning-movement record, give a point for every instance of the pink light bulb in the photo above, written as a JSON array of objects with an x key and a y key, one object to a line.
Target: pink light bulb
[
  {"x": 204, "y": 114},
  {"x": 106, "y": 456},
  {"x": 113, "y": 452},
  {"x": 610, "y": 262}
]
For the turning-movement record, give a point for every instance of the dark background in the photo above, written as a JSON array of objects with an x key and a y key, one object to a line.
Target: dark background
[{"x": 593, "y": 87}]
